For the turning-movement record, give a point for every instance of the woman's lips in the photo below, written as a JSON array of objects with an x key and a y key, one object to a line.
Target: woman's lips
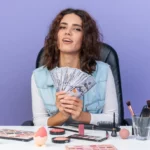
[{"x": 67, "y": 41}]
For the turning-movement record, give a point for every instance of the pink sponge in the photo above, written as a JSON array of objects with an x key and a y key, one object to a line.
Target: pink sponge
[
  {"x": 124, "y": 133},
  {"x": 40, "y": 136},
  {"x": 41, "y": 132}
]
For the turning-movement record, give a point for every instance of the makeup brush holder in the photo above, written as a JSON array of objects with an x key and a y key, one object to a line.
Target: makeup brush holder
[{"x": 141, "y": 127}]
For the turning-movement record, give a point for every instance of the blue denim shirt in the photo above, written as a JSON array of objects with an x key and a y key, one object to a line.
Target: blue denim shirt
[{"x": 93, "y": 100}]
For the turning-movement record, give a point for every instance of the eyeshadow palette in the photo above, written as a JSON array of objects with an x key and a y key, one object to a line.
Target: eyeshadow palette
[
  {"x": 19, "y": 135},
  {"x": 91, "y": 147},
  {"x": 88, "y": 137}
]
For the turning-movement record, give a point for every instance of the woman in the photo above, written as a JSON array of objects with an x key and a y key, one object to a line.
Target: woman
[{"x": 73, "y": 41}]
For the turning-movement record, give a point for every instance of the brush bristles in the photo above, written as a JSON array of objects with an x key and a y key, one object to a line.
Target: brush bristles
[
  {"x": 148, "y": 103},
  {"x": 130, "y": 108},
  {"x": 128, "y": 103}
]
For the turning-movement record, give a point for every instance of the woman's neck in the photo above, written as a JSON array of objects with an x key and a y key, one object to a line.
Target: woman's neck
[{"x": 67, "y": 60}]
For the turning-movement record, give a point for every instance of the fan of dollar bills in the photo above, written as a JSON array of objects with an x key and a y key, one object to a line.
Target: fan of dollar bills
[{"x": 72, "y": 80}]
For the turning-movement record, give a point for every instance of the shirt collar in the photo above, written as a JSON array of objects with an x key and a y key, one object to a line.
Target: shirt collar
[{"x": 50, "y": 81}]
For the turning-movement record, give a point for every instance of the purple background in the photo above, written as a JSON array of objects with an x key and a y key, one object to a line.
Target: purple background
[{"x": 24, "y": 25}]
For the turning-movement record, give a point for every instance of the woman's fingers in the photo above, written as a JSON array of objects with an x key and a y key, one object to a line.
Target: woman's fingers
[
  {"x": 69, "y": 102},
  {"x": 71, "y": 105},
  {"x": 74, "y": 105},
  {"x": 59, "y": 97},
  {"x": 74, "y": 113},
  {"x": 60, "y": 93}
]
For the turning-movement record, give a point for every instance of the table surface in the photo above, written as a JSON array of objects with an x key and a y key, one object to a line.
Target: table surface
[{"x": 121, "y": 144}]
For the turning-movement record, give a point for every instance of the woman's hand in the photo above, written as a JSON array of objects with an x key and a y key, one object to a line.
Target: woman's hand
[
  {"x": 72, "y": 105},
  {"x": 60, "y": 96}
]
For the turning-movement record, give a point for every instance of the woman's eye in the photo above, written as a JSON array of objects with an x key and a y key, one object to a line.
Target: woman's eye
[
  {"x": 77, "y": 29},
  {"x": 61, "y": 27}
]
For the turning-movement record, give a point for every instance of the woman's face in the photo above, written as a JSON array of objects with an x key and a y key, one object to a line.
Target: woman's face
[{"x": 70, "y": 34}]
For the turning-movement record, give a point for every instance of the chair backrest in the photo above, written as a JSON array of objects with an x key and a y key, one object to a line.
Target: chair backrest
[{"x": 109, "y": 56}]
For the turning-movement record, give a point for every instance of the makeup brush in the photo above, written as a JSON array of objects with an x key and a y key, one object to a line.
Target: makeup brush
[
  {"x": 130, "y": 108},
  {"x": 114, "y": 132},
  {"x": 148, "y": 104},
  {"x": 146, "y": 110},
  {"x": 144, "y": 120},
  {"x": 132, "y": 113},
  {"x": 114, "y": 123}
]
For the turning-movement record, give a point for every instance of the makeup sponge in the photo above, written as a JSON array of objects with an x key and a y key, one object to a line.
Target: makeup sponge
[
  {"x": 124, "y": 133},
  {"x": 40, "y": 136}
]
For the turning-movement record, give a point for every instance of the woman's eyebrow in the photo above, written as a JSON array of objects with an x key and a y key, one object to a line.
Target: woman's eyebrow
[
  {"x": 77, "y": 25},
  {"x": 64, "y": 23}
]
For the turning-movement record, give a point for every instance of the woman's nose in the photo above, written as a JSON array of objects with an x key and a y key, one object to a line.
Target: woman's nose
[{"x": 68, "y": 32}]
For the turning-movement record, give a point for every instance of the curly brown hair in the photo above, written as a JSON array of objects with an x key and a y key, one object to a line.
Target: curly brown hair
[{"x": 90, "y": 49}]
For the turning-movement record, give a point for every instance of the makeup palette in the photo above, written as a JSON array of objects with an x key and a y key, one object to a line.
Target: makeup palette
[
  {"x": 20, "y": 135},
  {"x": 92, "y": 147},
  {"x": 57, "y": 131},
  {"x": 88, "y": 137},
  {"x": 60, "y": 140}
]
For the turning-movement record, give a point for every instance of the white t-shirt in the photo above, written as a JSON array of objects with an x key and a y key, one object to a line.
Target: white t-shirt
[{"x": 40, "y": 115}]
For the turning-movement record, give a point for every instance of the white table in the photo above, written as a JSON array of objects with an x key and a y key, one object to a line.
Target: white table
[{"x": 128, "y": 144}]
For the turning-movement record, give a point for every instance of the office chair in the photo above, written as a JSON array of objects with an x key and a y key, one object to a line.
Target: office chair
[{"x": 109, "y": 56}]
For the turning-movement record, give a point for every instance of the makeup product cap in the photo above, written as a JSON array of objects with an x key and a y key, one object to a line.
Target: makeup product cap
[{"x": 81, "y": 129}]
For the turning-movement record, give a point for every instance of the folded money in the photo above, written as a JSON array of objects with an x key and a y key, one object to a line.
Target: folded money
[{"x": 72, "y": 80}]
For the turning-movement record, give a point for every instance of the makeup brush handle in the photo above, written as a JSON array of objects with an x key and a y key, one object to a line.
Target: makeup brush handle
[{"x": 94, "y": 127}]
